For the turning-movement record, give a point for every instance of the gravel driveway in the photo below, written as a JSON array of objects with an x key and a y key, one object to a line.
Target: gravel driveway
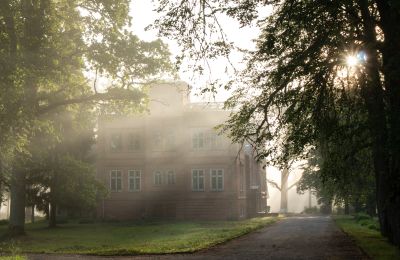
[{"x": 308, "y": 237}]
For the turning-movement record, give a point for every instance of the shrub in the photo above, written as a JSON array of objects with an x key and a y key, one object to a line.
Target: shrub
[
  {"x": 311, "y": 210},
  {"x": 3, "y": 222},
  {"x": 86, "y": 221},
  {"x": 362, "y": 216}
]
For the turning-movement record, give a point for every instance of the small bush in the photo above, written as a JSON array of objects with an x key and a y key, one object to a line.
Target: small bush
[
  {"x": 3, "y": 222},
  {"x": 312, "y": 210},
  {"x": 86, "y": 221},
  {"x": 362, "y": 216},
  {"x": 62, "y": 221},
  {"x": 374, "y": 226},
  {"x": 111, "y": 220}
]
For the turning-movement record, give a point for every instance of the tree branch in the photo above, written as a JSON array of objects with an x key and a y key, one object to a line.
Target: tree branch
[
  {"x": 121, "y": 94},
  {"x": 274, "y": 184},
  {"x": 294, "y": 184}
]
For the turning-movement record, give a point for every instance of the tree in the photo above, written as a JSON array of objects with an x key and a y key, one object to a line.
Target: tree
[
  {"x": 283, "y": 188},
  {"x": 336, "y": 179},
  {"x": 47, "y": 47},
  {"x": 294, "y": 75},
  {"x": 62, "y": 176}
]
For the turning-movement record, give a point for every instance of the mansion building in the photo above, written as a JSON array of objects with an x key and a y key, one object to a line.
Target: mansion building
[{"x": 171, "y": 163}]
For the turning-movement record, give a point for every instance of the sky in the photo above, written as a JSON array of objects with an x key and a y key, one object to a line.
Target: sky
[{"x": 143, "y": 15}]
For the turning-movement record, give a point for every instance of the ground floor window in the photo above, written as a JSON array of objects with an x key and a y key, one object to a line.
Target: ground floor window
[
  {"x": 217, "y": 179},
  {"x": 115, "y": 180},
  {"x": 134, "y": 180},
  {"x": 198, "y": 180}
]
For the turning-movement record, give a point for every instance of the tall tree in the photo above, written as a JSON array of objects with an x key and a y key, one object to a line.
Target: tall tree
[
  {"x": 48, "y": 49},
  {"x": 296, "y": 73},
  {"x": 283, "y": 188}
]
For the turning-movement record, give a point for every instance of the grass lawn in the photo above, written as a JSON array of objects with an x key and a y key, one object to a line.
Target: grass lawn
[
  {"x": 130, "y": 238},
  {"x": 368, "y": 238}
]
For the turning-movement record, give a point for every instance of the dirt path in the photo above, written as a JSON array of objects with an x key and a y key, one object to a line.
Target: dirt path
[{"x": 312, "y": 237}]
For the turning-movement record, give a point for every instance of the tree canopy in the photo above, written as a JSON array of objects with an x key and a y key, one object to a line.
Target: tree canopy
[
  {"x": 52, "y": 54},
  {"x": 290, "y": 96}
]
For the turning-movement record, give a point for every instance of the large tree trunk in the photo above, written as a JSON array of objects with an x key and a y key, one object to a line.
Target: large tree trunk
[
  {"x": 17, "y": 208},
  {"x": 53, "y": 215},
  {"x": 33, "y": 214},
  {"x": 284, "y": 190},
  {"x": 346, "y": 207},
  {"x": 390, "y": 24},
  {"x": 386, "y": 142}
]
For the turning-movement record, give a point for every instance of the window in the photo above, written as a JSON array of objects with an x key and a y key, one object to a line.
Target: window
[
  {"x": 217, "y": 180},
  {"x": 115, "y": 142},
  {"x": 170, "y": 177},
  {"x": 197, "y": 180},
  {"x": 169, "y": 140},
  {"x": 158, "y": 141},
  {"x": 198, "y": 140},
  {"x": 157, "y": 178},
  {"x": 164, "y": 141},
  {"x": 134, "y": 180},
  {"x": 116, "y": 180},
  {"x": 134, "y": 142},
  {"x": 205, "y": 140}
]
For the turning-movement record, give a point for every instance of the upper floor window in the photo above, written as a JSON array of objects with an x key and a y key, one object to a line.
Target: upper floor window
[
  {"x": 115, "y": 180},
  {"x": 133, "y": 142},
  {"x": 198, "y": 180},
  {"x": 217, "y": 179},
  {"x": 116, "y": 142},
  {"x": 164, "y": 141},
  {"x": 205, "y": 140},
  {"x": 170, "y": 177},
  {"x": 134, "y": 180},
  {"x": 157, "y": 178}
]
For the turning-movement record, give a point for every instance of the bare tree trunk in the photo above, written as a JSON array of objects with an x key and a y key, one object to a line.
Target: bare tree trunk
[{"x": 284, "y": 190}]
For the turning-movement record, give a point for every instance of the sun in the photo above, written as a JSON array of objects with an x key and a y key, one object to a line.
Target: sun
[{"x": 352, "y": 61}]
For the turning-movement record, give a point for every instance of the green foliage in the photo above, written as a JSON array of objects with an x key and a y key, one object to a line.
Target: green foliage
[
  {"x": 135, "y": 238},
  {"x": 297, "y": 92},
  {"x": 369, "y": 239},
  {"x": 312, "y": 210},
  {"x": 53, "y": 54},
  {"x": 3, "y": 222}
]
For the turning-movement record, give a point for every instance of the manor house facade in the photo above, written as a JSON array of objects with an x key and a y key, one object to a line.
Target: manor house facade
[{"x": 170, "y": 163}]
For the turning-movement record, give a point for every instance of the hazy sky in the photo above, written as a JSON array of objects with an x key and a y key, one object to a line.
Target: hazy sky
[{"x": 143, "y": 15}]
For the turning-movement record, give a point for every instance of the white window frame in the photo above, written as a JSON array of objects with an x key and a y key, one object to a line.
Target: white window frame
[
  {"x": 135, "y": 177},
  {"x": 198, "y": 177},
  {"x": 205, "y": 139},
  {"x": 157, "y": 181},
  {"x": 217, "y": 174},
  {"x": 170, "y": 177},
  {"x": 116, "y": 178}
]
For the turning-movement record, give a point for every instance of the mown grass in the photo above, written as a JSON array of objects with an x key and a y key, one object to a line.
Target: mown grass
[
  {"x": 15, "y": 257},
  {"x": 131, "y": 238},
  {"x": 365, "y": 232}
]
